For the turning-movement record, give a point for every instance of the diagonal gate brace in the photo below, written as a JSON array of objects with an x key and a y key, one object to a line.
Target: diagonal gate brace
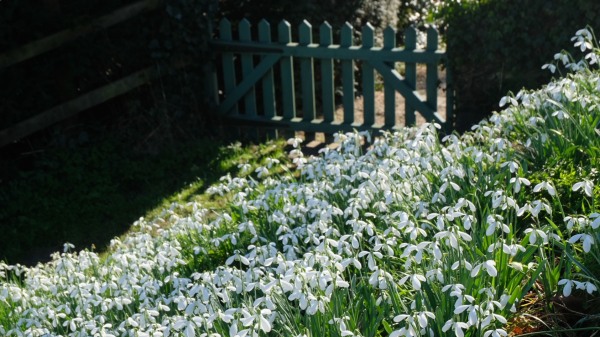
[
  {"x": 249, "y": 81},
  {"x": 393, "y": 78}
]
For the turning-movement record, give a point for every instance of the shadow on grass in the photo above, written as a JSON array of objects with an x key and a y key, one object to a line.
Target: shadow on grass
[{"x": 89, "y": 194}]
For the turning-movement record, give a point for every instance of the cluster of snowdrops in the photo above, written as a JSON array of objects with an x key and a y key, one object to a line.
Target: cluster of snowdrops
[{"x": 403, "y": 234}]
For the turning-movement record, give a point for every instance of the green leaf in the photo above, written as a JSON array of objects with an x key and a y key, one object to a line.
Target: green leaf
[{"x": 387, "y": 326}]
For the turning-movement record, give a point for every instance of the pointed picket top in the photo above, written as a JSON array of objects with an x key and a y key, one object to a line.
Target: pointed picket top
[
  {"x": 389, "y": 38},
  {"x": 245, "y": 30},
  {"x": 432, "y": 39},
  {"x": 347, "y": 32},
  {"x": 325, "y": 34},
  {"x": 410, "y": 38},
  {"x": 368, "y": 35},
  {"x": 225, "y": 29},
  {"x": 284, "y": 30},
  {"x": 264, "y": 31},
  {"x": 305, "y": 33}
]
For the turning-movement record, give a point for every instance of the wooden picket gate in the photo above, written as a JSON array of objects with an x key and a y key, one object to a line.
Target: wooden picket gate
[{"x": 257, "y": 77}]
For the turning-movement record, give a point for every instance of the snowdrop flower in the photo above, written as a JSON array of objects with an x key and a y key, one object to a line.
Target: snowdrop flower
[
  {"x": 583, "y": 38},
  {"x": 589, "y": 287},
  {"x": 67, "y": 247},
  {"x": 545, "y": 186},
  {"x": 495, "y": 333},
  {"x": 342, "y": 324},
  {"x": 568, "y": 286},
  {"x": 587, "y": 240},
  {"x": 561, "y": 114},
  {"x": 259, "y": 320},
  {"x": 380, "y": 279},
  {"x": 506, "y": 99},
  {"x": 489, "y": 266},
  {"x": 535, "y": 233},
  {"x": 453, "y": 236},
  {"x": 186, "y": 326},
  {"x": 295, "y": 142},
  {"x": 237, "y": 257},
  {"x": 517, "y": 183},
  {"x": 371, "y": 258},
  {"x": 495, "y": 222},
  {"x": 511, "y": 250},
  {"x": 261, "y": 172},
  {"x": 592, "y": 58},
  {"x": 244, "y": 168},
  {"x": 415, "y": 280},
  {"x": 458, "y": 327},
  {"x": 512, "y": 166},
  {"x": 571, "y": 221},
  {"x": 536, "y": 207},
  {"x": 550, "y": 67},
  {"x": 587, "y": 187},
  {"x": 595, "y": 217}
]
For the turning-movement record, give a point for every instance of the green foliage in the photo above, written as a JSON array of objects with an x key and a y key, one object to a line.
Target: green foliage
[
  {"x": 496, "y": 46},
  {"x": 182, "y": 51},
  {"x": 379, "y": 13}
]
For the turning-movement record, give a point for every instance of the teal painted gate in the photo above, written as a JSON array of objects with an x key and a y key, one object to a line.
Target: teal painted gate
[{"x": 271, "y": 82}]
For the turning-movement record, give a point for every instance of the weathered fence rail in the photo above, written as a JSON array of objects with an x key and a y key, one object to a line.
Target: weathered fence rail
[
  {"x": 86, "y": 100},
  {"x": 269, "y": 66}
]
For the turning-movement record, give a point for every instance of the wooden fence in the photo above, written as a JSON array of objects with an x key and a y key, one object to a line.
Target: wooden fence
[
  {"x": 258, "y": 77},
  {"x": 86, "y": 100},
  {"x": 270, "y": 80}
]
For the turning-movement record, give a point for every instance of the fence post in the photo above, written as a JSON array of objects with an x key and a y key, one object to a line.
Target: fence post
[
  {"x": 389, "y": 42},
  {"x": 287, "y": 73},
  {"x": 449, "y": 99},
  {"x": 326, "y": 39},
  {"x": 211, "y": 85},
  {"x": 347, "y": 75},
  {"x": 432, "y": 70},
  {"x": 368, "y": 78},
  {"x": 327, "y": 77},
  {"x": 268, "y": 87},
  {"x": 247, "y": 66},
  {"x": 229, "y": 80},
  {"x": 410, "y": 39},
  {"x": 307, "y": 78}
]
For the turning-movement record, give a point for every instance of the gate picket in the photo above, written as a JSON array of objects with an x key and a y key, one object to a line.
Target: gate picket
[
  {"x": 307, "y": 78},
  {"x": 347, "y": 75},
  {"x": 247, "y": 67},
  {"x": 368, "y": 78},
  {"x": 389, "y": 113},
  {"x": 287, "y": 74},
  {"x": 410, "y": 43},
  {"x": 327, "y": 76},
  {"x": 229, "y": 79},
  {"x": 268, "y": 87},
  {"x": 432, "y": 70}
]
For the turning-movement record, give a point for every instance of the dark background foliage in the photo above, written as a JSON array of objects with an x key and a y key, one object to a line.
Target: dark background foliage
[
  {"x": 336, "y": 12},
  {"x": 497, "y": 46}
]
